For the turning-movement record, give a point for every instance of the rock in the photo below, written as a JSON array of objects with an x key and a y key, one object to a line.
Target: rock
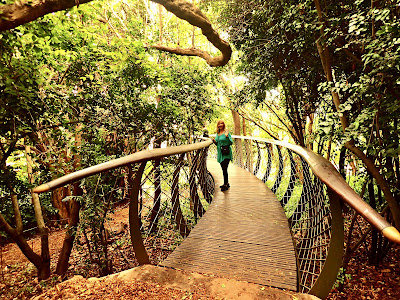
[
  {"x": 76, "y": 278},
  {"x": 121, "y": 228}
]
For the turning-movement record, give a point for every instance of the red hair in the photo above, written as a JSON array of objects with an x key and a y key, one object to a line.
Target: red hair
[{"x": 219, "y": 122}]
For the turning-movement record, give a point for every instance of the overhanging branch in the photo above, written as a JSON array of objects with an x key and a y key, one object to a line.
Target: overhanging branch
[
  {"x": 190, "y": 13},
  {"x": 212, "y": 61},
  {"x": 22, "y": 12},
  {"x": 242, "y": 114}
]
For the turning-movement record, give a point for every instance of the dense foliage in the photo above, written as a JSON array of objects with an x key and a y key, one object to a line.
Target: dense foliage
[{"x": 277, "y": 45}]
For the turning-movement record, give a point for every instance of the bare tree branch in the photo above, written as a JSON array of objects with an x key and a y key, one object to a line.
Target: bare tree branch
[
  {"x": 188, "y": 52},
  {"x": 6, "y": 227},
  {"x": 258, "y": 125},
  {"x": 292, "y": 133},
  {"x": 190, "y": 13}
]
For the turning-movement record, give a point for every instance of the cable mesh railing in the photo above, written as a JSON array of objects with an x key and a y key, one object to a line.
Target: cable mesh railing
[{"x": 174, "y": 194}]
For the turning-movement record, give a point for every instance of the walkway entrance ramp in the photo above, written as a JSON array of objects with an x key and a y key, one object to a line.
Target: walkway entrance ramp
[{"x": 244, "y": 235}]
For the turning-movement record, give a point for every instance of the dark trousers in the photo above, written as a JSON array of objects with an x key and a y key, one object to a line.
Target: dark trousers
[{"x": 224, "y": 166}]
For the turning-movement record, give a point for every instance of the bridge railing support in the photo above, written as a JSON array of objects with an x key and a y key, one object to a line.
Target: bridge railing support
[{"x": 170, "y": 189}]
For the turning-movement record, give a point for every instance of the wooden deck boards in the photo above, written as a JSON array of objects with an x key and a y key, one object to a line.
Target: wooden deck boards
[{"x": 244, "y": 235}]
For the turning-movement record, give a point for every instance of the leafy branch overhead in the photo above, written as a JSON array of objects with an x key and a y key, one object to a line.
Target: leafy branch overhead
[{"x": 22, "y": 12}]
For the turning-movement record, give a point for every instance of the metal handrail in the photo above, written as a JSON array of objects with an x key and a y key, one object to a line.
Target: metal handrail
[{"x": 120, "y": 162}]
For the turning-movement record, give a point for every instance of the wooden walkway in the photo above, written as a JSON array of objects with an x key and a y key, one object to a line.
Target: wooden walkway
[{"x": 244, "y": 235}]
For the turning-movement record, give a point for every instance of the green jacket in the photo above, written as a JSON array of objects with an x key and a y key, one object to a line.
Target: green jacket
[{"x": 223, "y": 140}]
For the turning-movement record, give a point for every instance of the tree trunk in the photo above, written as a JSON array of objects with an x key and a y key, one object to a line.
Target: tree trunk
[
  {"x": 161, "y": 30},
  {"x": 328, "y": 151},
  {"x": 309, "y": 133},
  {"x": 238, "y": 142},
  {"x": 297, "y": 121},
  {"x": 62, "y": 265},
  {"x": 17, "y": 213},
  {"x": 374, "y": 234},
  {"x": 342, "y": 158},
  {"x": 75, "y": 206},
  {"x": 44, "y": 267},
  {"x": 380, "y": 180},
  {"x": 57, "y": 196}
]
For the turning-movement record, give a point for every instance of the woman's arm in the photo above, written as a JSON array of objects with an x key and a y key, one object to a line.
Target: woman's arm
[
  {"x": 230, "y": 138},
  {"x": 226, "y": 132}
]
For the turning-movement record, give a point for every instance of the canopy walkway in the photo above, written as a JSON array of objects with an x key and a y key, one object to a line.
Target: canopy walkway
[
  {"x": 280, "y": 224},
  {"x": 244, "y": 235}
]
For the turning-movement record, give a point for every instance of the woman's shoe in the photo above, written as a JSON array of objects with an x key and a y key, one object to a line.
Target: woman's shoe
[{"x": 225, "y": 187}]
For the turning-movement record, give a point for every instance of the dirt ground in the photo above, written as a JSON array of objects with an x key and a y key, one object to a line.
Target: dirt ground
[
  {"x": 11, "y": 254},
  {"x": 152, "y": 282},
  {"x": 371, "y": 282},
  {"x": 18, "y": 279}
]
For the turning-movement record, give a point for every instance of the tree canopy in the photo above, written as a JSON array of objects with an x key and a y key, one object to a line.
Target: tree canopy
[{"x": 21, "y": 12}]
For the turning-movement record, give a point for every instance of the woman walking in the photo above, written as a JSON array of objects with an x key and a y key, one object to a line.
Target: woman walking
[{"x": 223, "y": 140}]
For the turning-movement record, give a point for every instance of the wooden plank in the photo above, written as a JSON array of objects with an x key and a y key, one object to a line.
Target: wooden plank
[{"x": 243, "y": 235}]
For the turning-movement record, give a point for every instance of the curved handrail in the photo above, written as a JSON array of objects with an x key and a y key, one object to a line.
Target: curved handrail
[
  {"x": 119, "y": 162},
  {"x": 328, "y": 174}
]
